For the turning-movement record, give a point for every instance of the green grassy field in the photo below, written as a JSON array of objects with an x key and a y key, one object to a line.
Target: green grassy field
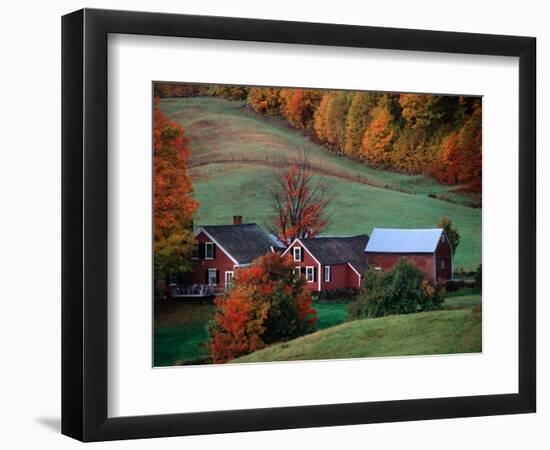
[
  {"x": 465, "y": 298},
  {"x": 234, "y": 154},
  {"x": 180, "y": 331},
  {"x": 180, "y": 328},
  {"x": 429, "y": 333}
]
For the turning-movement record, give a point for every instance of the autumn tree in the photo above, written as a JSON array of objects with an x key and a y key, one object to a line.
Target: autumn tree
[
  {"x": 293, "y": 106},
  {"x": 264, "y": 100},
  {"x": 299, "y": 200},
  {"x": 431, "y": 113},
  {"x": 471, "y": 140},
  {"x": 449, "y": 167},
  {"x": 413, "y": 152},
  {"x": 356, "y": 121},
  {"x": 266, "y": 304},
  {"x": 310, "y": 102},
  {"x": 460, "y": 160},
  {"x": 229, "y": 92},
  {"x": 173, "y": 204},
  {"x": 320, "y": 119},
  {"x": 179, "y": 89},
  {"x": 451, "y": 232},
  {"x": 330, "y": 118},
  {"x": 336, "y": 119},
  {"x": 379, "y": 137}
]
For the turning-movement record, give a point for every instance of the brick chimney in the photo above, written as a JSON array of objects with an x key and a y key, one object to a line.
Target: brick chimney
[{"x": 237, "y": 220}]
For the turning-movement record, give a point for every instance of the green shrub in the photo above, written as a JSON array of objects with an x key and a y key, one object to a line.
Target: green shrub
[
  {"x": 337, "y": 295},
  {"x": 401, "y": 290}
]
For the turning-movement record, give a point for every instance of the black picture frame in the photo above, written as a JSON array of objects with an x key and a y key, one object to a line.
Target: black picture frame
[{"x": 84, "y": 224}]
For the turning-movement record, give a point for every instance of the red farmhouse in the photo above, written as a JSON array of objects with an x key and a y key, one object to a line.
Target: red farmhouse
[
  {"x": 330, "y": 263},
  {"x": 221, "y": 249},
  {"x": 327, "y": 263},
  {"x": 427, "y": 249}
]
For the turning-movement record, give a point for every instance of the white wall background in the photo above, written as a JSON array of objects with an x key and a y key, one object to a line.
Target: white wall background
[{"x": 30, "y": 222}]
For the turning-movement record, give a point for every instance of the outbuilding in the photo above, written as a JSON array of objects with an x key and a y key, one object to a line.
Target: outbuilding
[{"x": 428, "y": 249}]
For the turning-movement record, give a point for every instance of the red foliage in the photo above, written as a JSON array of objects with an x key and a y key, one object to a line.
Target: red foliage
[
  {"x": 299, "y": 202},
  {"x": 266, "y": 304},
  {"x": 173, "y": 204},
  {"x": 461, "y": 154}
]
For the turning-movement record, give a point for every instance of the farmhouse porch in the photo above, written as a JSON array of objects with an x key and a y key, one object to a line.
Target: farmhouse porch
[{"x": 195, "y": 290}]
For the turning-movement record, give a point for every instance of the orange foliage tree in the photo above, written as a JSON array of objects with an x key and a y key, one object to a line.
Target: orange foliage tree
[
  {"x": 300, "y": 201},
  {"x": 330, "y": 119},
  {"x": 293, "y": 107},
  {"x": 379, "y": 137},
  {"x": 461, "y": 154},
  {"x": 320, "y": 119},
  {"x": 173, "y": 204},
  {"x": 267, "y": 303},
  {"x": 264, "y": 100},
  {"x": 357, "y": 120}
]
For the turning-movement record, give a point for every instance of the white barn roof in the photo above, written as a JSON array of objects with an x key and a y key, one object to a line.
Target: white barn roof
[{"x": 392, "y": 240}]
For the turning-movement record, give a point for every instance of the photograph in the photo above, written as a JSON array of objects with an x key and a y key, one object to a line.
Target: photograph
[
  {"x": 294, "y": 224},
  {"x": 264, "y": 226}
]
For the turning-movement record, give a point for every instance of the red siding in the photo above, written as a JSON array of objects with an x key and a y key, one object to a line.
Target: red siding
[
  {"x": 222, "y": 262},
  {"x": 443, "y": 254},
  {"x": 341, "y": 277},
  {"x": 353, "y": 278},
  {"x": 424, "y": 261},
  {"x": 338, "y": 277},
  {"x": 307, "y": 261}
]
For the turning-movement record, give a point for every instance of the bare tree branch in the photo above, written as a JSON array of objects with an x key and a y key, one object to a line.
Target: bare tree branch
[{"x": 300, "y": 200}]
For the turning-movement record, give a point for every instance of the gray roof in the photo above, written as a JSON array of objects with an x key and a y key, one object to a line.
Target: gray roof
[
  {"x": 244, "y": 242},
  {"x": 392, "y": 240},
  {"x": 330, "y": 250}
]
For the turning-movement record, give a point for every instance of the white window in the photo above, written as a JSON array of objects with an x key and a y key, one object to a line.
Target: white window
[
  {"x": 228, "y": 279},
  {"x": 442, "y": 238},
  {"x": 209, "y": 250},
  {"x": 442, "y": 264},
  {"x": 297, "y": 271},
  {"x": 297, "y": 253},
  {"x": 212, "y": 277},
  {"x": 310, "y": 274},
  {"x": 327, "y": 274}
]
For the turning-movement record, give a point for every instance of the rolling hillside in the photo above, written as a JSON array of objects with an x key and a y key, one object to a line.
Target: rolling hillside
[
  {"x": 429, "y": 333},
  {"x": 234, "y": 153}
]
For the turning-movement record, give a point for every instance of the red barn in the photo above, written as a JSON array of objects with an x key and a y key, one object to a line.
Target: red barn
[
  {"x": 428, "y": 249},
  {"x": 330, "y": 263},
  {"x": 222, "y": 249}
]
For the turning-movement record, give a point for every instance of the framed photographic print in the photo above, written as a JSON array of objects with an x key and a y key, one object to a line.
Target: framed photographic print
[{"x": 274, "y": 224}]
